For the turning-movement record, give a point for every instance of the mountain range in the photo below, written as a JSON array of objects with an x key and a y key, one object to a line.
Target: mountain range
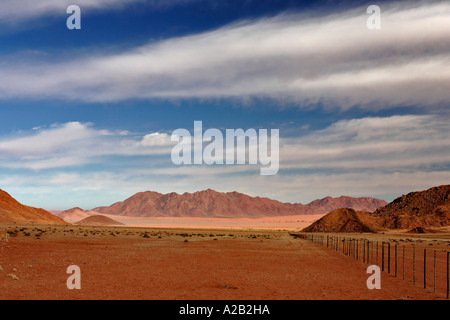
[{"x": 213, "y": 204}]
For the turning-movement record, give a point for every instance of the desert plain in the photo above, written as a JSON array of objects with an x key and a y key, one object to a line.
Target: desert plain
[{"x": 198, "y": 260}]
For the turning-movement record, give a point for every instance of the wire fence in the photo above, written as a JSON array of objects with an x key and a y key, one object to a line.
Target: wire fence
[{"x": 418, "y": 264}]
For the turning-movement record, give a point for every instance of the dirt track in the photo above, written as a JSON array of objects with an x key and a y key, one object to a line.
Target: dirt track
[{"x": 120, "y": 263}]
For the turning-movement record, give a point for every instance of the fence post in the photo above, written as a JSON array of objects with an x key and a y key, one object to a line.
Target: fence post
[
  {"x": 354, "y": 248},
  {"x": 377, "y": 253},
  {"x": 424, "y": 268},
  {"x": 371, "y": 258},
  {"x": 403, "y": 263},
  {"x": 389, "y": 257},
  {"x": 368, "y": 251},
  {"x": 350, "y": 247},
  {"x": 414, "y": 265},
  {"x": 396, "y": 260},
  {"x": 357, "y": 250},
  {"x": 448, "y": 254},
  {"x": 382, "y": 256},
  {"x": 364, "y": 251},
  {"x": 434, "y": 276}
]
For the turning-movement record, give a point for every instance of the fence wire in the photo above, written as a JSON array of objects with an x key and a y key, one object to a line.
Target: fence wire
[{"x": 418, "y": 264}]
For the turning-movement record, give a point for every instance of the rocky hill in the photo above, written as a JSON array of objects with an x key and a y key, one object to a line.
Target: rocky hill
[
  {"x": 427, "y": 209},
  {"x": 11, "y": 211},
  {"x": 341, "y": 220}
]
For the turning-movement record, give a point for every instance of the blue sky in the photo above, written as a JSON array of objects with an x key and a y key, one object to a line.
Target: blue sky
[{"x": 86, "y": 115}]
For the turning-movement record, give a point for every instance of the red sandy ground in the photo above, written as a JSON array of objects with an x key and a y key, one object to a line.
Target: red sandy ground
[{"x": 240, "y": 265}]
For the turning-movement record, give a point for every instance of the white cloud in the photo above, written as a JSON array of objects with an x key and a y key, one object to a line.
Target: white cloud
[
  {"x": 374, "y": 143},
  {"x": 75, "y": 144},
  {"x": 332, "y": 59},
  {"x": 156, "y": 139},
  {"x": 388, "y": 143},
  {"x": 48, "y": 141},
  {"x": 14, "y": 11}
]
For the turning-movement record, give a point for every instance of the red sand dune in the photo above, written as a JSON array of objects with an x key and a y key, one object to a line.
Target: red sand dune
[
  {"x": 76, "y": 214},
  {"x": 98, "y": 220}
]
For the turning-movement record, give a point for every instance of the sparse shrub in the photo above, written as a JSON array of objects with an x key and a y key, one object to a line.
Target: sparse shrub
[
  {"x": 12, "y": 233},
  {"x": 13, "y": 276},
  {"x": 228, "y": 286}
]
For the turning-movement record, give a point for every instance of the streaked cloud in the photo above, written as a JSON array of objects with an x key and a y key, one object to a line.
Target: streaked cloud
[
  {"x": 15, "y": 11},
  {"x": 334, "y": 60},
  {"x": 374, "y": 143}
]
